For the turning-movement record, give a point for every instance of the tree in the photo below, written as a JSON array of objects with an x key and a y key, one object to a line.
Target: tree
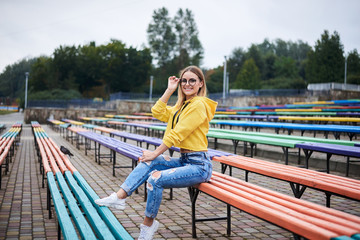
[
  {"x": 249, "y": 76},
  {"x": 353, "y": 67},
  {"x": 41, "y": 75},
  {"x": 188, "y": 46},
  {"x": 235, "y": 63},
  {"x": 161, "y": 38},
  {"x": 126, "y": 69},
  {"x": 174, "y": 44},
  {"x": 285, "y": 67},
  {"x": 255, "y": 54},
  {"x": 326, "y": 62},
  {"x": 12, "y": 80},
  {"x": 214, "y": 80}
]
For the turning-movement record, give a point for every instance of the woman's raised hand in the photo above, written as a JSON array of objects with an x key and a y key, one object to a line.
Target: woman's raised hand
[{"x": 173, "y": 82}]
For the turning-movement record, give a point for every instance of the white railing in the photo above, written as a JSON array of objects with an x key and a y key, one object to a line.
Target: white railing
[{"x": 333, "y": 86}]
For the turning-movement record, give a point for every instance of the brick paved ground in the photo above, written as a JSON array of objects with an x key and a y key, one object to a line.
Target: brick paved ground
[{"x": 23, "y": 213}]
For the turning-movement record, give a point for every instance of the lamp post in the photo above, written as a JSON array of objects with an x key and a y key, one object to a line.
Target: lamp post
[
  {"x": 151, "y": 87},
  {"x": 26, "y": 88},
  {"x": 224, "y": 80},
  {"x": 227, "y": 84},
  {"x": 345, "y": 69}
]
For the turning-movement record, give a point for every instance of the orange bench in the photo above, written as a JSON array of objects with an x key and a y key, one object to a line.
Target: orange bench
[
  {"x": 302, "y": 218},
  {"x": 299, "y": 178},
  {"x": 7, "y": 146}
]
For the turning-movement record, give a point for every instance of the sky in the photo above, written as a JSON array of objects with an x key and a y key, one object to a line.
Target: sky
[{"x": 34, "y": 28}]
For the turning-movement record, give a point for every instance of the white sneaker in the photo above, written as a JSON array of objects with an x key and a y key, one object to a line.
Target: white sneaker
[
  {"x": 147, "y": 233},
  {"x": 111, "y": 201}
]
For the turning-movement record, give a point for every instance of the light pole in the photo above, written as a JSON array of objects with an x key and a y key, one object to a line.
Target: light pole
[
  {"x": 151, "y": 87},
  {"x": 227, "y": 84},
  {"x": 345, "y": 69},
  {"x": 26, "y": 88},
  {"x": 224, "y": 80}
]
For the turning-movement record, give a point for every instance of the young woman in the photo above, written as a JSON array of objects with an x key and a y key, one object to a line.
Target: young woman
[{"x": 187, "y": 126}]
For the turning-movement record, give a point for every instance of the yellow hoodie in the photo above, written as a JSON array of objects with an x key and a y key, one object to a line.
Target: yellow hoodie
[{"x": 188, "y": 128}]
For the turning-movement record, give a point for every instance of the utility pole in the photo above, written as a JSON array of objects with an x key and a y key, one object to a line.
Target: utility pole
[
  {"x": 224, "y": 80},
  {"x": 26, "y": 88},
  {"x": 227, "y": 84},
  {"x": 151, "y": 87},
  {"x": 345, "y": 69}
]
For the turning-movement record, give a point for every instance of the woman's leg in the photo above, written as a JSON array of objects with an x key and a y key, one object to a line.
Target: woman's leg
[
  {"x": 137, "y": 177},
  {"x": 142, "y": 172},
  {"x": 197, "y": 169}
]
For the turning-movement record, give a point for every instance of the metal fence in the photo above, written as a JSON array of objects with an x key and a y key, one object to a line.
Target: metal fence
[{"x": 90, "y": 103}]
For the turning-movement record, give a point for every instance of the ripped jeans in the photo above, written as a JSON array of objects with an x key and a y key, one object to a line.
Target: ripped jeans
[{"x": 188, "y": 170}]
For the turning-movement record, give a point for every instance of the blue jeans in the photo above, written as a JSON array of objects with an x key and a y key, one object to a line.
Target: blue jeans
[{"x": 188, "y": 170}]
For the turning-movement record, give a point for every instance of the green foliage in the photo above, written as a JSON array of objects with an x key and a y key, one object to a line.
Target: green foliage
[
  {"x": 214, "y": 79},
  {"x": 55, "y": 94},
  {"x": 326, "y": 63},
  {"x": 280, "y": 63},
  {"x": 283, "y": 83},
  {"x": 353, "y": 67},
  {"x": 249, "y": 76},
  {"x": 161, "y": 37},
  {"x": 12, "y": 80},
  {"x": 93, "y": 71}
]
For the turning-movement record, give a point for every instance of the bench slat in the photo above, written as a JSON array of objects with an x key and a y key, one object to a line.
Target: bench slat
[
  {"x": 97, "y": 223},
  {"x": 116, "y": 228},
  {"x": 66, "y": 225}
]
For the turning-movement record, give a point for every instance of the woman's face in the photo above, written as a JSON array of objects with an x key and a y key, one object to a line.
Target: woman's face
[{"x": 190, "y": 84}]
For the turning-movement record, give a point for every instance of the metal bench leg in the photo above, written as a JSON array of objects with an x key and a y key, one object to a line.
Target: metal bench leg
[
  {"x": 193, "y": 192},
  {"x": 328, "y": 196},
  {"x": 328, "y": 156},
  {"x": 59, "y": 231},
  {"x": 297, "y": 191},
  {"x": 49, "y": 202},
  {"x": 114, "y": 161},
  {"x": 235, "y": 143}
]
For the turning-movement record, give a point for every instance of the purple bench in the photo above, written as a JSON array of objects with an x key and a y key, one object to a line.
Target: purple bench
[
  {"x": 330, "y": 149},
  {"x": 115, "y": 146}
]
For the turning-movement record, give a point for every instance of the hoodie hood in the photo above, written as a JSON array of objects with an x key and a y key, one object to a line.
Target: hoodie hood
[{"x": 210, "y": 105}]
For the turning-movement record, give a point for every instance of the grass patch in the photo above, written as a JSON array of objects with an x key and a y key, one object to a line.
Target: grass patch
[{"x": 3, "y": 112}]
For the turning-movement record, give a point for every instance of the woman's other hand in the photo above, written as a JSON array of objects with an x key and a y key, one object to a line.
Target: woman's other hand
[
  {"x": 147, "y": 156},
  {"x": 173, "y": 82}
]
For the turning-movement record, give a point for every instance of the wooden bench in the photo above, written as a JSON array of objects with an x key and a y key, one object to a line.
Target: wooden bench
[
  {"x": 296, "y": 215},
  {"x": 307, "y": 144},
  {"x": 351, "y": 131},
  {"x": 298, "y": 178},
  {"x": 330, "y": 149},
  {"x": 300, "y": 217},
  {"x": 69, "y": 190},
  {"x": 7, "y": 148}
]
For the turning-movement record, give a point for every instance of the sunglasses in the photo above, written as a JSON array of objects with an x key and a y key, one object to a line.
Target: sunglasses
[{"x": 191, "y": 81}]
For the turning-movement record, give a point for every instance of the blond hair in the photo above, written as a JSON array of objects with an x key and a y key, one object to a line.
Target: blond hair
[{"x": 202, "y": 91}]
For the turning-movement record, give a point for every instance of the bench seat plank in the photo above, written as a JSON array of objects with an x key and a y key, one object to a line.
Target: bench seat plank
[
  {"x": 97, "y": 223},
  {"x": 111, "y": 221},
  {"x": 66, "y": 225}
]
